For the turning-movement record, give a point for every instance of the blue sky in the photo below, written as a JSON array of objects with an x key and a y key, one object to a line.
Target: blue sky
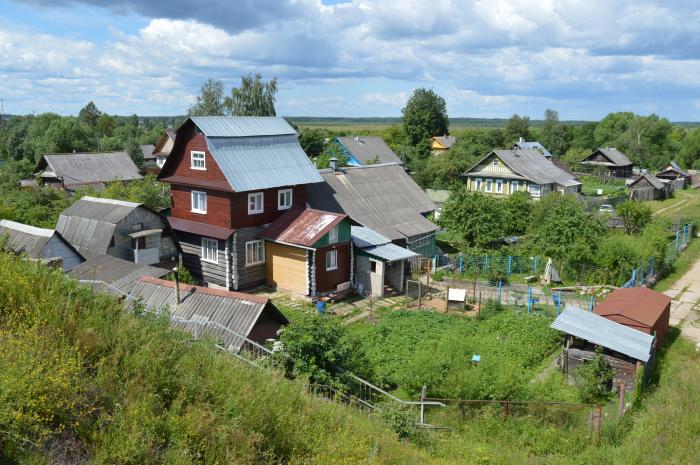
[{"x": 359, "y": 58}]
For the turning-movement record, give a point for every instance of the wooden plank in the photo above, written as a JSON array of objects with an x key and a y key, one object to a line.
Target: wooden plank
[{"x": 286, "y": 267}]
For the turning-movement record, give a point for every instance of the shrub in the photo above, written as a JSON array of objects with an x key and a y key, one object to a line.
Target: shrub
[{"x": 594, "y": 378}]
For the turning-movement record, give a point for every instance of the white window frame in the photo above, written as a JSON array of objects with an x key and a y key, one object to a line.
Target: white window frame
[
  {"x": 281, "y": 194},
  {"x": 250, "y": 250},
  {"x": 194, "y": 161},
  {"x": 202, "y": 200},
  {"x": 514, "y": 186},
  {"x": 160, "y": 161},
  {"x": 534, "y": 190},
  {"x": 478, "y": 184},
  {"x": 210, "y": 250},
  {"x": 333, "y": 256},
  {"x": 489, "y": 185},
  {"x": 495, "y": 163},
  {"x": 333, "y": 235},
  {"x": 255, "y": 195},
  {"x": 499, "y": 186}
]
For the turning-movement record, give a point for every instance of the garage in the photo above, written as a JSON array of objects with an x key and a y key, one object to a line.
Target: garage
[{"x": 286, "y": 267}]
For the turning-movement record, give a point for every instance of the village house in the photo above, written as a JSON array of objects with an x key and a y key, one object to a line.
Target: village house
[
  {"x": 673, "y": 172},
  {"x": 505, "y": 172},
  {"x": 160, "y": 152},
  {"x": 639, "y": 308},
  {"x": 523, "y": 144},
  {"x": 224, "y": 315},
  {"x": 382, "y": 197},
  {"x": 649, "y": 187},
  {"x": 41, "y": 244},
  {"x": 239, "y": 194},
  {"x": 626, "y": 350},
  {"x": 72, "y": 170},
  {"x": 126, "y": 230},
  {"x": 441, "y": 144},
  {"x": 365, "y": 150},
  {"x": 609, "y": 160}
]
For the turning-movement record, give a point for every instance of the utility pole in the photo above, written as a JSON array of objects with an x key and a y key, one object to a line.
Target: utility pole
[{"x": 2, "y": 111}]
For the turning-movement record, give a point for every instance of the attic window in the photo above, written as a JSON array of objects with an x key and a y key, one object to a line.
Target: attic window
[
  {"x": 198, "y": 162},
  {"x": 197, "y": 130},
  {"x": 495, "y": 163}
]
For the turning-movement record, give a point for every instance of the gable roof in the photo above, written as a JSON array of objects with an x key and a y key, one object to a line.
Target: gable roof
[
  {"x": 23, "y": 238},
  {"x": 168, "y": 135},
  {"x": 562, "y": 166},
  {"x": 382, "y": 197},
  {"x": 603, "y": 332},
  {"x": 615, "y": 157},
  {"x": 256, "y": 153},
  {"x": 529, "y": 164},
  {"x": 651, "y": 179},
  {"x": 147, "y": 150},
  {"x": 121, "y": 275},
  {"x": 88, "y": 168},
  {"x": 639, "y": 304},
  {"x": 216, "y": 309},
  {"x": 369, "y": 148},
  {"x": 445, "y": 141},
  {"x": 373, "y": 243},
  {"x": 303, "y": 227},
  {"x": 532, "y": 145},
  {"x": 89, "y": 224},
  {"x": 675, "y": 167}
]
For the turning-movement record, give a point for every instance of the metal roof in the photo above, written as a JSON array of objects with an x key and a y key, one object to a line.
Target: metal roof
[
  {"x": 616, "y": 157},
  {"x": 89, "y": 224},
  {"x": 120, "y": 274},
  {"x": 363, "y": 237},
  {"x": 88, "y": 168},
  {"x": 532, "y": 145},
  {"x": 301, "y": 226},
  {"x": 262, "y": 162},
  {"x": 531, "y": 165},
  {"x": 23, "y": 238},
  {"x": 369, "y": 148},
  {"x": 373, "y": 243},
  {"x": 603, "y": 332},
  {"x": 640, "y": 304},
  {"x": 382, "y": 197},
  {"x": 234, "y": 311},
  {"x": 446, "y": 141},
  {"x": 242, "y": 126}
]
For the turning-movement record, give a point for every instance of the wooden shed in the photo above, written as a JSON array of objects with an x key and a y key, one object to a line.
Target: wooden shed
[
  {"x": 640, "y": 308},
  {"x": 649, "y": 187}
]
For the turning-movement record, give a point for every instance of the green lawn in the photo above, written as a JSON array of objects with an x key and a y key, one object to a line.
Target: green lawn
[
  {"x": 685, "y": 203},
  {"x": 680, "y": 266}
]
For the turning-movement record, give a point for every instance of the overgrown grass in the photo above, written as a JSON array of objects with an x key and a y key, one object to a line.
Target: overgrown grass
[
  {"x": 679, "y": 267},
  {"x": 82, "y": 381}
]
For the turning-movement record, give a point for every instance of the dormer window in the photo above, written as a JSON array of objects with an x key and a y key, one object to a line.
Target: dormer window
[
  {"x": 197, "y": 159},
  {"x": 255, "y": 203},
  {"x": 284, "y": 199}
]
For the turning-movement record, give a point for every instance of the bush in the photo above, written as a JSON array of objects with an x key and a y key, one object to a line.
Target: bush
[
  {"x": 635, "y": 215},
  {"x": 594, "y": 378}
]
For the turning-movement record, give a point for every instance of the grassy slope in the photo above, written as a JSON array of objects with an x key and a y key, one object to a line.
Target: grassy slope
[{"x": 79, "y": 375}]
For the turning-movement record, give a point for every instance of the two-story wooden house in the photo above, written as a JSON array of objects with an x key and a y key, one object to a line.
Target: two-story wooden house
[{"x": 231, "y": 178}]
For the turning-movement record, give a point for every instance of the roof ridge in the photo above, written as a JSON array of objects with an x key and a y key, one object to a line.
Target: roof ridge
[
  {"x": 123, "y": 203},
  {"x": 27, "y": 228},
  {"x": 207, "y": 290}
]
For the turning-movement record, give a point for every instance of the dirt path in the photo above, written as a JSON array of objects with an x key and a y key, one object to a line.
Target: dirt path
[
  {"x": 670, "y": 207},
  {"x": 685, "y": 307}
]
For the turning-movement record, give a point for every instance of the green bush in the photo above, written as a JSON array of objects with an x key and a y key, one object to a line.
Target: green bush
[{"x": 594, "y": 378}]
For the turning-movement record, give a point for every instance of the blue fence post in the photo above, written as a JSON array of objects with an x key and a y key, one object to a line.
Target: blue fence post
[
  {"x": 529, "y": 299},
  {"x": 590, "y": 305},
  {"x": 534, "y": 265},
  {"x": 677, "y": 236},
  {"x": 559, "y": 304},
  {"x": 486, "y": 263},
  {"x": 500, "y": 290},
  {"x": 685, "y": 226},
  {"x": 460, "y": 262},
  {"x": 509, "y": 263}
]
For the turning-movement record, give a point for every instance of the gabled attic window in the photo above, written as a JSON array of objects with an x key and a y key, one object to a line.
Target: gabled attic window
[{"x": 197, "y": 130}]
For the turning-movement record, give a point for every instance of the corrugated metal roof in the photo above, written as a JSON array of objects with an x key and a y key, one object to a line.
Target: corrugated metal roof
[
  {"x": 368, "y": 149},
  {"x": 89, "y": 168},
  {"x": 23, "y": 238},
  {"x": 147, "y": 150},
  {"x": 603, "y": 332},
  {"x": 233, "y": 310},
  {"x": 89, "y": 224},
  {"x": 532, "y": 145},
  {"x": 255, "y": 163},
  {"x": 375, "y": 244},
  {"x": 114, "y": 271},
  {"x": 202, "y": 229},
  {"x": 382, "y": 197},
  {"x": 301, "y": 226},
  {"x": 636, "y": 303},
  {"x": 242, "y": 126},
  {"x": 363, "y": 237}
]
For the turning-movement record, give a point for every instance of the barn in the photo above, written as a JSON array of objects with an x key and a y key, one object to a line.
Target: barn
[
  {"x": 649, "y": 187},
  {"x": 640, "y": 308}
]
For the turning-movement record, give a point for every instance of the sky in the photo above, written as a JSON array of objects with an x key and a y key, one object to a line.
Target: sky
[{"x": 489, "y": 58}]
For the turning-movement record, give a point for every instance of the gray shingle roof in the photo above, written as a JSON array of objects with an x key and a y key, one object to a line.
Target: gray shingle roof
[
  {"x": 88, "y": 225},
  {"x": 369, "y": 148},
  {"x": 120, "y": 274},
  {"x": 653, "y": 180},
  {"x": 531, "y": 165},
  {"x": 616, "y": 157},
  {"x": 604, "y": 332},
  {"x": 382, "y": 197},
  {"x": 147, "y": 150},
  {"x": 232, "y": 310},
  {"x": 88, "y": 168}
]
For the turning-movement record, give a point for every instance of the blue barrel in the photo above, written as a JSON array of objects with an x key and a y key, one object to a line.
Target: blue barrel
[{"x": 320, "y": 306}]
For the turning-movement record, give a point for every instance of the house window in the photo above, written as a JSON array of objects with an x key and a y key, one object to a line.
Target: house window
[
  {"x": 284, "y": 199},
  {"x": 489, "y": 186},
  {"x": 332, "y": 260},
  {"x": 333, "y": 235},
  {"x": 197, "y": 159},
  {"x": 160, "y": 161},
  {"x": 514, "y": 186},
  {"x": 499, "y": 186},
  {"x": 254, "y": 252},
  {"x": 373, "y": 266},
  {"x": 199, "y": 202},
  {"x": 138, "y": 243},
  {"x": 478, "y": 184},
  {"x": 210, "y": 250},
  {"x": 495, "y": 163},
  {"x": 255, "y": 203},
  {"x": 534, "y": 189}
]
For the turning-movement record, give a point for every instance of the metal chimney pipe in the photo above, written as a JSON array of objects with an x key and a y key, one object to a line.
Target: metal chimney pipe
[
  {"x": 177, "y": 286},
  {"x": 334, "y": 163}
]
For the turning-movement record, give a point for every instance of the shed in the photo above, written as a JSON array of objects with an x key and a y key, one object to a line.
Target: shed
[
  {"x": 72, "y": 170},
  {"x": 40, "y": 244},
  {"x": 114, "y": 274},
  {"x": 366, "y": 150},
  {"x": 640, "y": 308},
  {"x": 673, "y": 172},
  {"x": 626, "y": 349},
  {"x": 610, "y": 160},
  {"x": 649, "y": 187},
  {"x": 225, "y": 315}
]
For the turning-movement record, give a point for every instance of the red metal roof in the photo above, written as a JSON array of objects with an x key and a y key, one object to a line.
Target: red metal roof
[
  {"x": 302, "y": 227},
  {"x": 640, "y": 304},
  {"x": 201, "y": 229}
]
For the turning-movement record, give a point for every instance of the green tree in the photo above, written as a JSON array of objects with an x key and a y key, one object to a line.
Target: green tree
[
  {"x": 573, "y": 157},
  {"x": 517, "y": 127},
  {"x": 331, "y": 151},
  {"x": 615, "y": 258},
  {"x": 210, "y": 101},
  {"x": 65, "y": 135},
  {"x": 583, "y": 137},
  {"x": 134, "y": 150},
  {"x": 89, "y": 114},
  {"x": 635, "y": 215},
  {"x": 555, "y": 136},
  {"x": 517, "y": 209},
  {"x": 312, "y": 141},
  {"x": 594, "y": 378},
  {"x": 475, "y": 218},
  {"x": 254, "y": 97},
  {"x": 425, "y": 115},
  {"x": 689, "y": 154}
]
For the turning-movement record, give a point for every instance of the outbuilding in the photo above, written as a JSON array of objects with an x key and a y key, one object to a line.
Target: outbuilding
[
  {"x": 41, "y": 244},
  {"x": 640, "y": 308}
]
